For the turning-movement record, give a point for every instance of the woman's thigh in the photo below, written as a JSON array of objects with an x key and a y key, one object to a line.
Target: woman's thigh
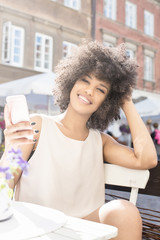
[
  {"x": 121, "y": 214},
  {"x": 112, "y": 209},
  {"x": 94, "y": 216}
]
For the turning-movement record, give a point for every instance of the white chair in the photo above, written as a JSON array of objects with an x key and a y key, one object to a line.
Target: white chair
[{"x": 121, "y": 176}]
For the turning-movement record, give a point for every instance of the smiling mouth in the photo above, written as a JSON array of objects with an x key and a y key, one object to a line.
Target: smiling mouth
[{"x": 83, "y": 99}]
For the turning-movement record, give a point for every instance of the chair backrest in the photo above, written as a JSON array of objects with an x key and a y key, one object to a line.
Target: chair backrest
[{"x": 121, "y": 176}]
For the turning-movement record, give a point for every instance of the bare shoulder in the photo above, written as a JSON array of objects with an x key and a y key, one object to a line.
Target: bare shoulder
[{"x": 107, "y": 139}]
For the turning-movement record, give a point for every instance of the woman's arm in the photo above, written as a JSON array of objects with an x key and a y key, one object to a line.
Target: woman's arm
[
  {"x": 143, "y": 155},
  {"x": 16, "y": 137}
]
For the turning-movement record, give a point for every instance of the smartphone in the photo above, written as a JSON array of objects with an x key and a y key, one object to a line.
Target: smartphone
[{"x": 18, "y": 108}]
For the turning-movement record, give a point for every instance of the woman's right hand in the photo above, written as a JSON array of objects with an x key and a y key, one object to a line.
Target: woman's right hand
[{"x": 17, "y": 134}]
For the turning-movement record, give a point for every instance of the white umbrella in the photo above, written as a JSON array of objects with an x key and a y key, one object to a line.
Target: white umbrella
[
  {"x": 37, "y": 88},
  {"x": 38, "y": 84},
  {"x": 148, "y": 107}
]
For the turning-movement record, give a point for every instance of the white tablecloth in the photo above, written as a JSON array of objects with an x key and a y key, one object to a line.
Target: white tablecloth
[{"x": 30, "y": 220}]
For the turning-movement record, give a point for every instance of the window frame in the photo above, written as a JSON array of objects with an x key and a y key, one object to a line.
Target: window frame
[
  {"x": 70, "y": 4},
  {"x": 131, "y": 54},
  {"x": 70, "y": 45},
  {"x": 108, "y": 44},
  {"x": 13, "y": 50},
  {"x": 132, "y": 48},
  {"x": 110, "y": 9},
  {"x": 109, "y": 40},
  {"x": 42, "y": 53},
  {"x": 148, "y": 68},
  {"x": 131, "y": 17},
  {"x": 148, "y": 24}
]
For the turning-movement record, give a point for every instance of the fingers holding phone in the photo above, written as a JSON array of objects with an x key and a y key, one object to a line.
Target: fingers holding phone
[
  {"x": 19, "y": 133},
  {"x": 18, "y": 128}
]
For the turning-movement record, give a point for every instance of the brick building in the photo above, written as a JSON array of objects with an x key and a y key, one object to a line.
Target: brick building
[
  {"x": 135, "y": 22},
  {"x": 36, "y": 34}
]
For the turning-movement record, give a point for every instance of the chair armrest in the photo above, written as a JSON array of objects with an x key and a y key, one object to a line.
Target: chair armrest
[{"x": 121, "y": 176}]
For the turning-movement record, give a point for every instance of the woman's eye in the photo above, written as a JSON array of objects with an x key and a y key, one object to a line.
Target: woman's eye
[
  {"x": 85, "y": 80},
  {"x": 101, "y": 90}
]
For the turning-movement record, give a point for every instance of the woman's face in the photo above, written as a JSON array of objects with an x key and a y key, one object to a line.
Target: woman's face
[{"x": 88, "y": 94}]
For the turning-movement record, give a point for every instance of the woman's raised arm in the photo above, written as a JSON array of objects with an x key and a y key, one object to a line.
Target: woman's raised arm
[{"x": 143, "y": 155}]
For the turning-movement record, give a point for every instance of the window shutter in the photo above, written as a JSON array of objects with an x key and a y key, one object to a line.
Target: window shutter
[{"x": 6, "y": 44}]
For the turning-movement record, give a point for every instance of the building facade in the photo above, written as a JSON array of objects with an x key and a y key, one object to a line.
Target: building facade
[
  {"x": 36, "y": 34},
  {"x": 135, "y": 23}
]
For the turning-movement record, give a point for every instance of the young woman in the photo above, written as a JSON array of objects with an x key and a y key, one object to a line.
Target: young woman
[{"x": 66, "y": 162}]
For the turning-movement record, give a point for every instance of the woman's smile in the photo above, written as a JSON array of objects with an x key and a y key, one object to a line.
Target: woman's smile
[{"x": 84, "y": 99}]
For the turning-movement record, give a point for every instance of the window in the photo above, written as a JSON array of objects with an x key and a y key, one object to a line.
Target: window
[
  {"x": 110, "y": 9},
  {"x": 109, "y": 41},
  {"x": 149, "y": 65},
  {"x": 67, "y": 48},
  {"x": 12, "y": 45},
  {"x": 148, "y": 68},
  {"x": 43, "y": 52},
  {"x": 148, "y": 23},
  {"x": 130, "y": 53},
  {"x": 131, "y": 50},
  {"x": 75, "y": 4},
  {"x": 131, "y": 15},
  {"x": 108, "y": 44}
]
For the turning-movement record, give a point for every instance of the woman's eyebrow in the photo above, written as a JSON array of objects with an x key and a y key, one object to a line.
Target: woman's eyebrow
[
  {"x": 89, "y": 76},
  {"x": 101, "y": 84}
]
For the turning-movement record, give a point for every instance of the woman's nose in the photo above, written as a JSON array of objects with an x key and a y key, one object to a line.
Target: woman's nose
[{"x": 89, "y": 91}]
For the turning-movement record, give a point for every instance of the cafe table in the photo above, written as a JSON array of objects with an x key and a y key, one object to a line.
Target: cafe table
[{"x": 29, "y": 221}]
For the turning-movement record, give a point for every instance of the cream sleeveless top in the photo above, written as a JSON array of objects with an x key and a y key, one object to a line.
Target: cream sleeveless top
[{"x": 64, "y": 173}]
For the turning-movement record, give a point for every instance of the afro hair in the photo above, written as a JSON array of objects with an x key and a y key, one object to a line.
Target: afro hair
[{"x": 109, "y": 64}]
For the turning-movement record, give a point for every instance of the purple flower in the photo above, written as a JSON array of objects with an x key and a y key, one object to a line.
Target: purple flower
[
  {"x": 16, "y": 152},
  {"x": 7, "y": 171},
  {"x": 25, "y": 170},
  {"x": 9, "y": 175},
  {"x": 16, "y": 161},
  {"x": 4, "y": 169},
  {"x": 23, "y": 165}
]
